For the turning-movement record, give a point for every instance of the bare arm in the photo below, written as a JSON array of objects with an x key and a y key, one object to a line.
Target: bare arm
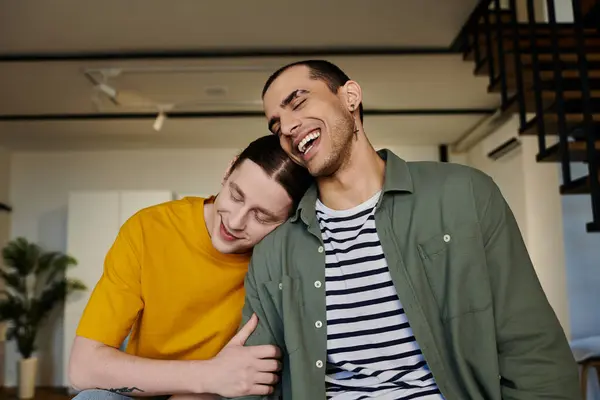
[
  {"x": 236, "y": 371},
  {"x": 94, "y": 365}
]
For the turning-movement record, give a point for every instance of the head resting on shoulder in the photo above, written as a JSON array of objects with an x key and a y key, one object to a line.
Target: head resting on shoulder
[
  {"x": 316, "y": 111},
  {"x": 261, "y": 189}
]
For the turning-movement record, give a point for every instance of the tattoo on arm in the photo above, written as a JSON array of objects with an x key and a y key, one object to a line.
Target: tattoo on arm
[{"x": 123, "y": 390}]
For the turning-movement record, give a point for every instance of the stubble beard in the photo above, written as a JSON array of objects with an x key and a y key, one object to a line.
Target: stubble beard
[{"x": 341, "y": 139}]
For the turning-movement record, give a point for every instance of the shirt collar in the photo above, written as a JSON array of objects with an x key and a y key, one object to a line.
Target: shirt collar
[{"x": 397, "y": 179}]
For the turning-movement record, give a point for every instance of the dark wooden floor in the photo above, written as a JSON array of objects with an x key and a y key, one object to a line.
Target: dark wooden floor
[{"x": 40, "y": 394}]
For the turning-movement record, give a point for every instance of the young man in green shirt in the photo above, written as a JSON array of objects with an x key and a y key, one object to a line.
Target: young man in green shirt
[{"x": 395, "y": 280}]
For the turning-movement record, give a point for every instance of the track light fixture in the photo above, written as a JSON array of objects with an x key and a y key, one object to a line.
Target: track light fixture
[
  {"x": 107, "y": 90},
  {"x": 160, "y": 120}
]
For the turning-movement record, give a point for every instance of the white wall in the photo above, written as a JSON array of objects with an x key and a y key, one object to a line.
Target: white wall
[
  {"x": 39, "y": 187},
  {"x": 582, "y": 254},
  {"x": 531, "y": 190}
]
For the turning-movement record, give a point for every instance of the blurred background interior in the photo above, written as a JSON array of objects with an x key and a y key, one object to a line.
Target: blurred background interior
[{"x": 107, "y": 107}]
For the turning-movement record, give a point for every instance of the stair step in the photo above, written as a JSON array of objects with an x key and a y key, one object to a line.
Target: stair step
[
  {"x": 546, "y": 65},
  {"x": 572, "y": 102},
  {"x": 573, "y": 105},
  {"x": 577, "y": 152},
  {"x": 545, "y": 76},
  {"x": 592, "y": 227},
  {"x": 512, "y": 105},
  {"x": 568, "y": 59},
  {"x": 578, "y": 186},
  {"x": 540, "y": 30},
  {"x": 543, "y": 46},
  {"x": 573, "y": 122},
  {"x": 505, "y": 17}
]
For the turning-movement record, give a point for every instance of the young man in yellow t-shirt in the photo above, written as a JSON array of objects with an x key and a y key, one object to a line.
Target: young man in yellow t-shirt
[{"x": 174, "y": 279}]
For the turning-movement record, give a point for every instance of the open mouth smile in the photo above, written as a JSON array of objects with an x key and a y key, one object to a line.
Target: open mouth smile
[{"x": 309, "y": 141}]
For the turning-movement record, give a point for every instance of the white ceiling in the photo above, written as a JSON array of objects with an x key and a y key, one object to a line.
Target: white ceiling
[
  {"x": 109, "y": 25},
  {"x": 395, "y": 82}
]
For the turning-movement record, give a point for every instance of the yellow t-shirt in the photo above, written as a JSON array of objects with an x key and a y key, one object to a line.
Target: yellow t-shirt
[{"x": 165, "y": 282}]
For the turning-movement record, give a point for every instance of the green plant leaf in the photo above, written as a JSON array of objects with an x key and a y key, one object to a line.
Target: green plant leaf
[
  {"x": 23, "y": 261},
  {"x": 14, "y": 281},
  {"x": 21, "y": 255},
  {"x": 75, "y": 285},
  {"x": 58, "y": 266}
]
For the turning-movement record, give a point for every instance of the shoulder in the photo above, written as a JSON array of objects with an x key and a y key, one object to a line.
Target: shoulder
[
  {"x": 450, "y": 178},
  {"x": 268, "y": 256},
  {"x": 174, "y": 214},
  {"x": 185, "y": 205}
]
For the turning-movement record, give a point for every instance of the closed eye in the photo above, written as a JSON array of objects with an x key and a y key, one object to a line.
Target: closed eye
[
  {"x": 236, "y": 198},
  {"x": 298, "y": 104},
  {"x": 263, "y": 218}
]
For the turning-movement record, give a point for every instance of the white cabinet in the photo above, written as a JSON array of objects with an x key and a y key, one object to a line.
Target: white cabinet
[{"x": 93, "y": 222}]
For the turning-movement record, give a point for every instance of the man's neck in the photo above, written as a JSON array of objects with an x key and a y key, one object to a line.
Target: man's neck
[{"x": 359, "y": 178}]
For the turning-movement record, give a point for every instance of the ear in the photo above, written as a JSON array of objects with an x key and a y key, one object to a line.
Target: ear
[
  {"x": 353, "y": 95},
  {"x": 228, "y": 170}
]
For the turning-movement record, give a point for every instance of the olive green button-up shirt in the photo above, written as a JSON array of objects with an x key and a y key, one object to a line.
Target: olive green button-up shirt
[{"x": 463, "y": 276}]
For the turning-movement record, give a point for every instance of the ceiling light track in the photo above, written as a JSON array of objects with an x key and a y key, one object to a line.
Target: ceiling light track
[
  {"x": 231, "y": 114},
  {"x": 230, "y": 53},
  {"x": 182, "y": 69}
]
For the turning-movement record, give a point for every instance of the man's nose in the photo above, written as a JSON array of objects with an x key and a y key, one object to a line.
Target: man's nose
[
  {"x": 289, "y": 125},
  {"x": 237, "y": 221}
]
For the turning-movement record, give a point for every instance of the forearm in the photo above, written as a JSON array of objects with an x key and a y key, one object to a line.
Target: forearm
[{"x": 96, "y": 366}]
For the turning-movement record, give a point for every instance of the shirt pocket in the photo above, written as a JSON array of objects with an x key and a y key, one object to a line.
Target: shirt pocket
[
  {"x": 287, "y": 297},
  {"x": 455, "y": 266}
]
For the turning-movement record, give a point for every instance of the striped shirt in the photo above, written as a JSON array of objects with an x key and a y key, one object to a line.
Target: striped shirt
[{"x": 371, "y": 350}]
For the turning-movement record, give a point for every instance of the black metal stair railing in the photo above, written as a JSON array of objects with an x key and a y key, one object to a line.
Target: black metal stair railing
[
  {"x": 559, "y": 98},
  {"x": 518, "y": 76},
  {"x": 537, "y": 86},
  {"x": 545, "y": 98}
]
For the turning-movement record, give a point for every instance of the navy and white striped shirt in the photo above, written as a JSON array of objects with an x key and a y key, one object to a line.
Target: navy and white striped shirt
[{"x": 371, "y": 350}]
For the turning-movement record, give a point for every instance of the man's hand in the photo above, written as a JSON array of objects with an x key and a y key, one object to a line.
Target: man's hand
[{"x": 242, "y": 371}]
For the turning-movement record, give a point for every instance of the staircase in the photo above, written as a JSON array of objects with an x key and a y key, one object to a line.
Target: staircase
[{"x": 549, "y": 74}]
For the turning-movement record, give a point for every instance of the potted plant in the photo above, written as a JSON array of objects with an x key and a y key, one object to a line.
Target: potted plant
[{"x": 35, "y": 284}]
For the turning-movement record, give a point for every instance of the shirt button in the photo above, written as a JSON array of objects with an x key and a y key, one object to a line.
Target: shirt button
[
  {"x": 317, "y": 284},
  {"x": 318, "y": 324},
  {"x": 446, "y": 238},
  {"x": 319, "y": 364},
  {"x": 280, "y": 286},
  {"x": 320, "y": 249}
]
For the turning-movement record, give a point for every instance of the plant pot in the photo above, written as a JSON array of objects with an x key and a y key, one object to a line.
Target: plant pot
[{"x": 27, "y": 377}]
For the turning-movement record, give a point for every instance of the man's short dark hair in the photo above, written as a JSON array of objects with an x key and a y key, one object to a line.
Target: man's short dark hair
[{"x": 322, "y": 70}]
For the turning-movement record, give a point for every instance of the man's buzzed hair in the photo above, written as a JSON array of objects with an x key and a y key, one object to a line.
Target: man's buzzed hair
[{"x": 322, "y": 70}]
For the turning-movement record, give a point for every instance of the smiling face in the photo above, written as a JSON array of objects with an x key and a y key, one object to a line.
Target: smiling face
[
  {"x": 315, "y": 125},
  {"x": 250, "y": 206}
]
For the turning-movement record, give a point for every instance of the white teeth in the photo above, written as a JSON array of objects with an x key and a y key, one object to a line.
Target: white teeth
[{"x": 302, "y": 145}]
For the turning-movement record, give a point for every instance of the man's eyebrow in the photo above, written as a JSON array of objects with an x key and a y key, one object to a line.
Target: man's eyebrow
[
  {"x": 235, "y": 187},
  {"x": 286, "y": 102}
]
